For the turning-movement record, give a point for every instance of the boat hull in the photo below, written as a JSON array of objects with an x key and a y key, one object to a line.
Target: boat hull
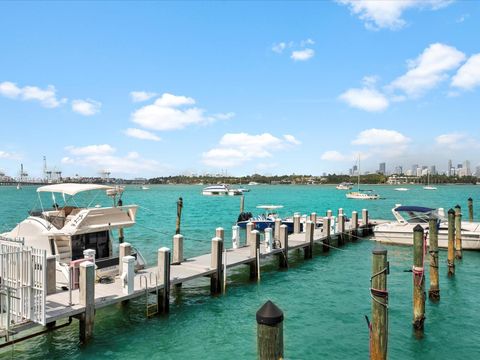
[{"x": 403, "y": 235}]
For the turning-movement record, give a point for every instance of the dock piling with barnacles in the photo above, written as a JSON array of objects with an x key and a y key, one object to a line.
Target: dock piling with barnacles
[
  {"x": 458, "y": 232},
  {"x": 434, "y": 291},
  {"x": 451, "y": 243},
  {"x": 378, "y": 289},
  {"x": 418, "y": 278}
]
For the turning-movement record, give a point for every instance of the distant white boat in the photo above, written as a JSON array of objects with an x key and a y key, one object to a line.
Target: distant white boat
[
  {"x": 252, "y": 183},
  {"x": 221, "y": 189},
  {"x": 19, "y": 187},
  {"x": 401, "y": 189},
  {"x": 145, "y": 187},
  {"x": 344, "y": 186},
  {"x": 362, "y": 194}
]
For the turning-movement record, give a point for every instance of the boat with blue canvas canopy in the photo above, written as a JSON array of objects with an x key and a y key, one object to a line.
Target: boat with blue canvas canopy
[{"x": 407, "y": 217}]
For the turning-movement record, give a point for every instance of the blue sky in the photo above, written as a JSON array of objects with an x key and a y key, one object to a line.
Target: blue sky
[{"x": 159, "y": 88}]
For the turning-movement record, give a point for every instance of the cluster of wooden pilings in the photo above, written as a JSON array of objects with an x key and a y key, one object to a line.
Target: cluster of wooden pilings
[{"x": 380, "y": 269}]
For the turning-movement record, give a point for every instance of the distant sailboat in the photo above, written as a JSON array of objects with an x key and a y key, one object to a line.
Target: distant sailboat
[
  {"x": 19, "y": 186},
  {"x": 428, "y": 187},
  {"x": 362, "y": 194}
]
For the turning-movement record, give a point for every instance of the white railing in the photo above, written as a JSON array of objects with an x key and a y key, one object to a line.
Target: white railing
[{"x": 22, "y": 284}]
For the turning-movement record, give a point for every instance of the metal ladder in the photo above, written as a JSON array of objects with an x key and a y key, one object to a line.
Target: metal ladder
[{"x": 151, "y": 308}]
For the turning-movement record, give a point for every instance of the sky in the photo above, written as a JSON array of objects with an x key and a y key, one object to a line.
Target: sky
[{"x": 145, "y": 89}]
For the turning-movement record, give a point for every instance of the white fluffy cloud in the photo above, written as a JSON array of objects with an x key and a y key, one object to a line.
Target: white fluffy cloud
[
  {"x": 375, "y": 137},
  {"x": 99, "y": 157},
  {"x": 333, "y": 155},
  {"x": 139, "y": 96},
  {"x": 170, "y": 112},
  {"x": 141, "y": 134},
  {"x": 468, "y": 76},
  {"x": 86, "y": 107},
  {"x": 457, "y": 141},
  {"x": 300, "y": 51},
  {"x": 46, "y": 97},
  {"x": 236, "y": 149},
  {"x": 279, "y": 47},
  {"x": 8, "y": 155},
  {"x": 103, "y": 149},
  {"x": 428, "y": 69},
  {"x": 365, "y": 99},
  {"x": 377, "y": 14},
  {"x": 303, "y": 55}
]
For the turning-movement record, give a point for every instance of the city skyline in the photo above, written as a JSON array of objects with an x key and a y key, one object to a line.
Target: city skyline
[{"x": 172, "y": 88}]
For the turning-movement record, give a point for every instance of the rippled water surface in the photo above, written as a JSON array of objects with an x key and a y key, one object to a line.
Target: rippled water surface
[{"x": 324, "y": 299}]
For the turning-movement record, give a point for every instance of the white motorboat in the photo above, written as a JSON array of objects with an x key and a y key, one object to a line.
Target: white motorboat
[
  {"x": 66, "y": 230},
  {"x": 400, "y": 231},
  {"x": 401, "y": 189},
  {"x": 362, "y": 194},
  {"x": 144, "y": 187},
  {"x": 344, "y": 186},
  {"x": 221, "y": 189}
]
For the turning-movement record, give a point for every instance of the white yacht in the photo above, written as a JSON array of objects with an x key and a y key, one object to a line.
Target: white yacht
[
  {"x": 66, "y": 230},
  {"x": 401, "y": 189},
  {"x": 221, "y": 189},
  {"x": 400, "y": 231}
]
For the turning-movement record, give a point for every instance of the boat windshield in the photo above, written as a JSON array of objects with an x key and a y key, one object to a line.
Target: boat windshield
[{"x": 415, "y": 215}]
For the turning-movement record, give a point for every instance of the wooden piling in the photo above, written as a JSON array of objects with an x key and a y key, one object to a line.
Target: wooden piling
[
  {"x": 434, "y": 291},
  {"x": 418, "y": 279},
  {"x": 242, "y": 203},
  {"x": 220, "y": 232},
  {"x": 164, "y": 260},
  {"x": 254, "y": 254},
  {"x": 87, "y": 299},
  {"x": 269, "y": 332},
  {"x": 340, "y": 211},
  {"x": 121, "y": 237},
  {"x": 470, "y": 209},
  {"x": 329, "y": 213},
  {"x": 379, "y": 294},
  {"x": 354, "y": 224},
  {"x": 458, "y": 232},
  {"x": 364, "y": 217},
  {"x": 451, "y": 243},
  {"x": 276, "y": 233},
  {"x": 216, "y": 279},
  {"x": 341, "y": 229},
  {"x": 296, "y": 224},
  {"x": 177, "y": 257},
  {"x": 326, "y": 234},
  {"x": 179, "y": 215},
  {"x": 283, "y": 256},
  {"x": 308, "y": 250},
  {"x": 313, "y": 218},
  {"x": 249, "y": 228}
]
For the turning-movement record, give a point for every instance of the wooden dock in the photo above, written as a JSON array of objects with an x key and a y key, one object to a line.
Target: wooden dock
[{"x": 82, "y": 303}]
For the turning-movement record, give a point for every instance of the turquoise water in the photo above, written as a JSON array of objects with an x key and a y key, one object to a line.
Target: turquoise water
[{"x": 324, "y": 299}]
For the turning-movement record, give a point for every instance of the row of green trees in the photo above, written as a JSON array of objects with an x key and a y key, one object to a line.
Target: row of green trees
[{"x": 306, "y": 179}]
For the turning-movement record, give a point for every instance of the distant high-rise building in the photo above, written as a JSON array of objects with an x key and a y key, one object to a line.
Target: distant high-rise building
[
  {"x": 477, "y": 171},
  {"x": 418, "y": 171},
  {"x": 449, "y": 168},
  {"x": 433, "y": 170},
  {"x": 382, "y": 168},
  {"x": 414, "y": 168},
  {"x": 466, "y": 167}
]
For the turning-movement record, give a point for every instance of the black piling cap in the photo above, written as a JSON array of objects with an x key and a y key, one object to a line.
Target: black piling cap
[
  {"x": 379, "y": 250},
  {"x": 269, "y": 314},
  {"x": 451, "y": 211},
  {"x": 418, "y": 228},
  {"x": 458, "y": 206},
  {"x": 470, "y": 199}
]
